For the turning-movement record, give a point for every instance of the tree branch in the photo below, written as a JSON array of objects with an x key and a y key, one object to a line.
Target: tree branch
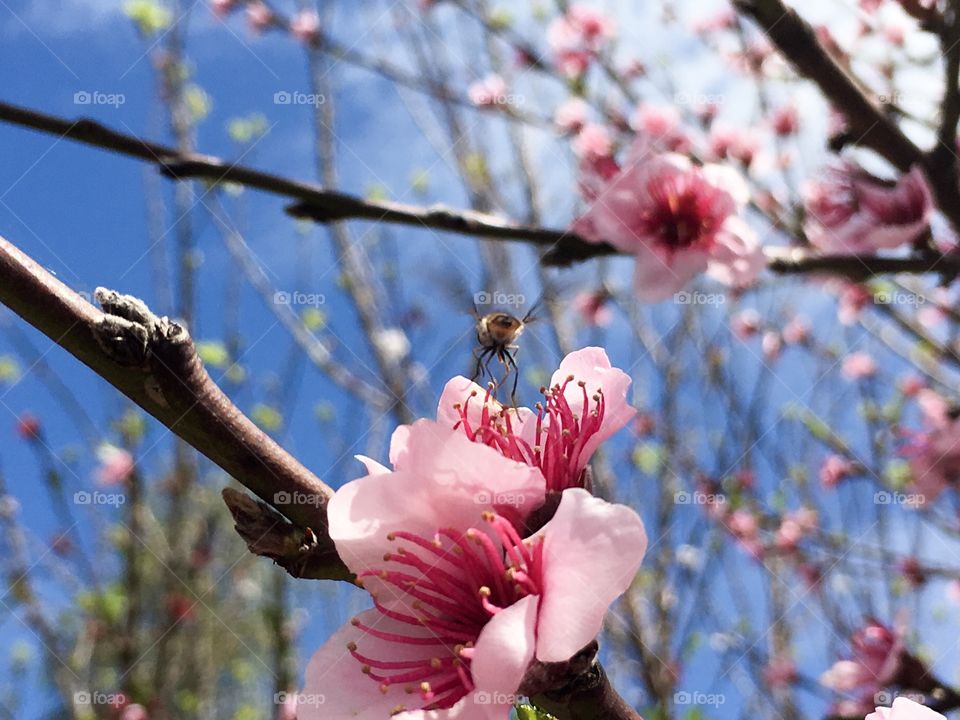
[
  {"x": 153, "y": 362},
  {"x": 561, "y": 247},
  {"x": 868, "y": 124}
]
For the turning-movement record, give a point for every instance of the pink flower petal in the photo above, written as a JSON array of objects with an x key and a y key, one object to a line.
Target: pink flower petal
[
  {"x": 505, "y": 648},
  {"x": 659, "y": 275},
  {"x": 447, "y": 481},
  {"x": 592, "y": 550}
]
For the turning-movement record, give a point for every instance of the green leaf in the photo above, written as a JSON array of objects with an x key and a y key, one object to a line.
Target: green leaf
[
  {"x": 267, "y": 418},
  {"x": 213, "y": 353},
  {"x": 314, "y": 319},
  {"x": 149, "y": 17},
  {"x": 420, "y": 181},
  {"x": 197, "y": 102},
  {"x": 648, "y": 457},
  {"x": 9, "y": 369}
]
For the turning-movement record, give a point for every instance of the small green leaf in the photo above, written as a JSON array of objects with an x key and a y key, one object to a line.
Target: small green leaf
[
  {"x": 213, "y": 353},
  {"x": 267, "y": 417},
  {"x": 149, "y": 17},
  {"x": 314, "y": 319},
  {"x": 9, "y": 369}
]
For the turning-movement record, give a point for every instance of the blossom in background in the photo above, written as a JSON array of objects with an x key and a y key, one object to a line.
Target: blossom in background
[
  {"x": 222, "y": 8},
  {"x": 259, "y": 16},
  {"x": 795, "y": 526},
  {"x": 858, "y": 366},
  {"x": 488, "y": 92},
  {"x": 878, "y": 655},
  {"x": 577, "y": 37},
  {"x": 593, "y": 144},
  {"x": 585, "y": 403},
  {"x": 934, "y": 452},
  {"x": 116, "y": 465},
  {"x": 905, "y": 709},
  {"x": 677, "y": 219},
  {"x": 797, "y": 331},
  {"x": 571, "y": 115},
  {"x": 28, "y": 427},
  {"x": 852, "y": 299},
  {"x": 746, "y": 323},
  {"x": 850, "y": 211},
  {"x": 462, "y": 604},
  {"x": 305, "y": 26},
  {"x": 593, "y": 307},
  {"x": 134, "y": 711},
  {"x": 660, "y": 128},
  {"x": 780, "y": 672},
  {"x": 834, "y": 470},
  {"x": 771, "y": 345}
]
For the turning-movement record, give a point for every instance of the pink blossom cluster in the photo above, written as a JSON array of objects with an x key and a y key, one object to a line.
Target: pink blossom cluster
[
  {"x": 471, "y": 581},
  {"x": 878, "y": 656},
  {"x": 577, "y": 38}
]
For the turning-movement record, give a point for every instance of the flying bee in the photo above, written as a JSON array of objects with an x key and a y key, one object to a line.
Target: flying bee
[{"x": 497, "y": 335}]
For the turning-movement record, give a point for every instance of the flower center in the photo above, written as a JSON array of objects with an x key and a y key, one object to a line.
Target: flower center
[
  {"x": 451, "y": 585},
  {"x": 558, "y": 440}
]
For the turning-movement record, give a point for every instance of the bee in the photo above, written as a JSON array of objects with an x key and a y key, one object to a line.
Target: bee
[{"x": 497, "y": 335}]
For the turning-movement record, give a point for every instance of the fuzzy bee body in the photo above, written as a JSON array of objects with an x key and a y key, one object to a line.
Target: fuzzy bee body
[{"x": 497, "y": 334}]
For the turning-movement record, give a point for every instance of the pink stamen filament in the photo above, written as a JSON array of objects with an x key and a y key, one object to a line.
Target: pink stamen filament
[{"x": 453, "y": 585}]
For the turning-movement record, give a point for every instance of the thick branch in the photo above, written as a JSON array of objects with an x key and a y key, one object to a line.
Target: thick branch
[{"x": 153, "y": 362}]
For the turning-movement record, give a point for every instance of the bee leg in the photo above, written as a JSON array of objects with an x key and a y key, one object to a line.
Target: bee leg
[
  {"x": 516, "y": 378},
  {"x": 481, "y": 366}
]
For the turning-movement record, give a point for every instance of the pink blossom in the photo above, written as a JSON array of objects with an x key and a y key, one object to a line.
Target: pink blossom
[
  {"x": 661, "y": 129},
  {"x": 794, "y": 527},
  {"x": 725, "y": 19},
  {"x": 593, "y": 307},
  {"x": 678, "y": 220},
  {"x": 785, "y": 120},
  {"x": 571, "y": 115},
  {"x": 116, "y": 465},
  {"x": 853, "y": 299},
  {"x": 134, "y": 711},
  {"x": 743, "y": 525},
  {"x": 912, "y": 384},
  {"x": 222, "y": 8},
  {"x": 259, "y": 16},
  {"x": 584, "y": 405},
  {"x": 593, "y": 143},
  {"x": 746, "y": 324},
  {"x": 771, "y": 345},
  {"x": 877, "y": 658},
  {"x": 850, "y": 211},
  {"x": 834, "y": 470},
  {"x": 797, "y": 331},
  {"x": 490, "y": 91},
  {"x": 576, "y": 37},
  {"x": 287, "y": 710},
  {"x": 726, "y": 142},
  {"x": 858, "y": 366},
  {"x": 934, "y": 453},
  {"x": 905, "y": 709},
  {"x": 305, "y": 27},
  {"x": 462, "y": 604}
]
